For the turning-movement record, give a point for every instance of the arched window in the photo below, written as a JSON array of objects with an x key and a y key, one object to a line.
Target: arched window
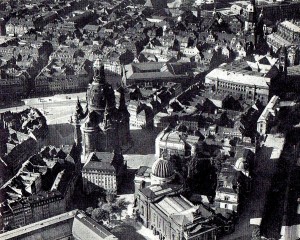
[{"x": 143, "y": 210}]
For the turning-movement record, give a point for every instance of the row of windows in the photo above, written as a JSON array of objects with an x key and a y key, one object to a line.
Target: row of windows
[
  {"x": 63, "y": 85},
  {"x": 19, "y": 219},
  {"x": 207, "y": 236},
  {"x": 244, "y": 96},
  {"x": 233, "y": 86},
  {"x": 98, "y": 176}
]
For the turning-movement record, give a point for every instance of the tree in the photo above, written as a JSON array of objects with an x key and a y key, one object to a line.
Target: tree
[
  {"x": 99, "y": 214},
  {"x": 113, "y": 217},
  {"x": 107, "y": 207},
  {"x": 256, "y": 233},
  {"x": 89, "y": 211},
  {"x": 110, "y": 198},
  {"x": 120, "y": 205},
  {"x": 100, "y": 202}
]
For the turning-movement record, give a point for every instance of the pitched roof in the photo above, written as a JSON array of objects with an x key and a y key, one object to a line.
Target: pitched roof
[{"x": 100, "y": 161}]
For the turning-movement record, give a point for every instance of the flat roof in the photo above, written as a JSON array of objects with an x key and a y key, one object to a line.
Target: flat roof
[
  {"x": 277, "y": 143},
  {"x": 38, "y": 225},
  {"x": 239, "y": 77},
  {"x": 269, "y": 108}
]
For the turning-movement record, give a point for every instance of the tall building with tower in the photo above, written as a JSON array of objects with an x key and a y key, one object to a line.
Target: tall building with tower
[{"x": 103, "y": 126}]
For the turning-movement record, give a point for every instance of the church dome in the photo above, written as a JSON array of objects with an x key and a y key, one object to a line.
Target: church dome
[
  {"x": 100, "y": 94},
  {"x": 162, "y": 168}
]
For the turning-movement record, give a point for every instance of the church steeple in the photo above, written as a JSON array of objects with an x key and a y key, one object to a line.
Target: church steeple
[
  {"x": 79, "y": 110},
  {"x": 76, "y": 122}
]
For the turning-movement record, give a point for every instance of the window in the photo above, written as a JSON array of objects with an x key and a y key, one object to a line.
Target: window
[{"x": 142, "y": 210}]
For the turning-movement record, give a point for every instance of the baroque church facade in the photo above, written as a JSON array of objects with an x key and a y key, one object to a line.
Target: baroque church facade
[{"x": 102, "y": 126}]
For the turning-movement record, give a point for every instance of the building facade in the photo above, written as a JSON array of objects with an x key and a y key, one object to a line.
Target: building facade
[
  {"x": 242, "y": 82},
  {"x": 287, "y": 34},
  {"x": 234, "y": 182},
  {"x": 176, "y": 143},
  {"x": 103, "y": 170},
  {"x": 158, "y": 74}
]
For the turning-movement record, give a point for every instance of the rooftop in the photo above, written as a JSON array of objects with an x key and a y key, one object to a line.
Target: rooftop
[
  {"x": 154, "y": 191},
  {"x": 100, "y": 161},
  {"x": 235, "y": 74},
  {"x": 80, "y": 227},
  {"x": 175, "y": 204},
  {"x": 291, "y": 26},
  {"x": 269, "y": 109}
]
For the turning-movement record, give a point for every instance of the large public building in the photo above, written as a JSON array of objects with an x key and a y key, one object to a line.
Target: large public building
[
  {"x": 164, "y": 209},
  {"x": 245, "y": 80}
]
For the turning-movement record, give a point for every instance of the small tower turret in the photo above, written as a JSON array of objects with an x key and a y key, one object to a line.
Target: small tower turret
[
  {"x": 291, "y": 56},
  {"x": 76, "y": 122},
  {"x": 283, "y": 61},
  {"x": 124, "y": 116}
]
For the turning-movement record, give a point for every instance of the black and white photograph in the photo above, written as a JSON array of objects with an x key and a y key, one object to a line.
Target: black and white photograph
[{"x": 149, "y": 119}]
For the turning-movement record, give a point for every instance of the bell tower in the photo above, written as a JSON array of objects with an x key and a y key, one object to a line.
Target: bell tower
[
  {"x": 291, "y": 56},
  {"x": 283, "y": 62},
  {"x": 250, "y": 15}
]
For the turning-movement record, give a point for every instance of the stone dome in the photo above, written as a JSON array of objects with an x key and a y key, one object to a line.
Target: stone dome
[
  {"x": 162, "y": 168},
  {"x": 100, "y": 94}
]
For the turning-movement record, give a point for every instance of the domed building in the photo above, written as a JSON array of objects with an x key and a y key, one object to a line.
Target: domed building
[
  {"x": 162, "y": 172},
  {"x": 163, "y": 209},
  {"x": 102, "y": 126}
]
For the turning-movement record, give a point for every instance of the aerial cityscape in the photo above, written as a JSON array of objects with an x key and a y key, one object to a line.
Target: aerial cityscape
[{"x": 150, "y": 119}]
